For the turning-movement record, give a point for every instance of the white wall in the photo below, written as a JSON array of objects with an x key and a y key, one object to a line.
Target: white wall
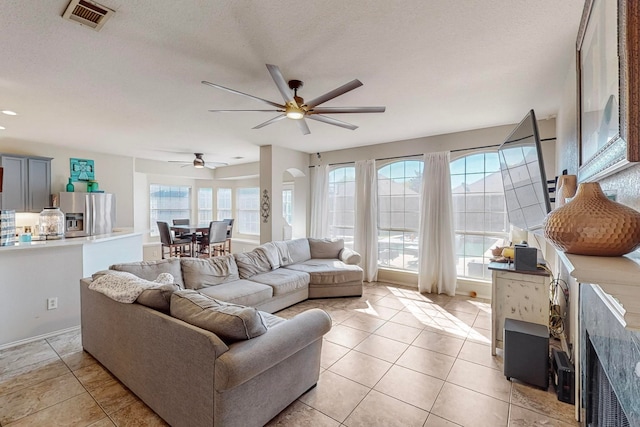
[
  {"x": 275, "y": 164},
  {"x": 113, "y": 173}
]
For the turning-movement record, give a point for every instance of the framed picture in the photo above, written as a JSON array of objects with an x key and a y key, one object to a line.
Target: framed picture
[
  {"x": 608, "y": 68},
  {"x": 82, "y": 170}
]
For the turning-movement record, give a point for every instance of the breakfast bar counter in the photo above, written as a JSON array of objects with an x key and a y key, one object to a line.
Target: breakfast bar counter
[{"x": 34, "y": 276}]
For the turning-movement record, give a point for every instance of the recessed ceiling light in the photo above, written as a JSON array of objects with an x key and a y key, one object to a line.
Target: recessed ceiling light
[
  {"x": 9, "y": 113},
  {"x": 2, "y": 128}
]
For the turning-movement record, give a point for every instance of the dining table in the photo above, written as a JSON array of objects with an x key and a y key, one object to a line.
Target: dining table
[{"x": 194, "y": 230}]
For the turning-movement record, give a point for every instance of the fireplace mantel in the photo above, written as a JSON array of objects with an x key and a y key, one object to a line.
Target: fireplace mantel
[{"x": 619, "y": 277}]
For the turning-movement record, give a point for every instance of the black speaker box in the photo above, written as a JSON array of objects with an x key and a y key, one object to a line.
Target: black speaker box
[
  {"x": 525, "y": 259},
  {"x": 563, "y": 376}
]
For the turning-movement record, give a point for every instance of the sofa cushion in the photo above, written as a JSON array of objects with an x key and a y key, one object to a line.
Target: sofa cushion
[
  {"x": 150, "y": 270},
  {"x": 198, "y": 273},
  {"x": 252, "y": 263},
  {"x": 283, "y": 280},
  {"x": 325, "y": 248},
  {"x": 298, "y": 250},
  {"x": 158, "y": 298},
  {"x": 328, "y": 271},
  {"x": 230, "y": 322},
  {"x": 244, "y": 292}
]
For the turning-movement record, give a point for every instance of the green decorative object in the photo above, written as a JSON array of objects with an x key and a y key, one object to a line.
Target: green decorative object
[
  {"x": 92, "y": 186},
  {"x": 70, "y": 187},
  {"x": 82, "y": 170}
]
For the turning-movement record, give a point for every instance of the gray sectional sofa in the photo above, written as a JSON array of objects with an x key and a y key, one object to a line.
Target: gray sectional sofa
[{"x": 191, "y": 376}]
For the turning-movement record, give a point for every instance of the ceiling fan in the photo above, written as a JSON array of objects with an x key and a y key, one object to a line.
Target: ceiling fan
[
  {"x": 199, "y": 162},
  {"x": 296, "y": 108}
]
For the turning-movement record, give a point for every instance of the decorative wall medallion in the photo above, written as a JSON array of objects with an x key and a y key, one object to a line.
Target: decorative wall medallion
[
  {"x": 82, "y": 170},
  {"x": 265, "y": 206}
]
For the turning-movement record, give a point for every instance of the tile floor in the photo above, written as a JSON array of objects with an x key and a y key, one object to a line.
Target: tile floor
[{"x": 394, "y": 357}]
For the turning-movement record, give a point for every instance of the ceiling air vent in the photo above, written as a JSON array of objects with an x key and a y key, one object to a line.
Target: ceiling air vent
[{"x": 87, "y": 13}]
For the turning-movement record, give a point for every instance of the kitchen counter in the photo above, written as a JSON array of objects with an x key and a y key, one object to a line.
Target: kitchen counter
[
  {"x": 70, "y": 241},
  {"x": 32, "y": 273}
]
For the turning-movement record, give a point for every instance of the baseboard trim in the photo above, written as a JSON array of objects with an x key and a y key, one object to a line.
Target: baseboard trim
[{"x": 38, "y": 338}]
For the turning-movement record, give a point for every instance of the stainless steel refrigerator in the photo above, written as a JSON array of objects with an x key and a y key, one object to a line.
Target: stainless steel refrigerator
[{"x": 88, "y": 214}]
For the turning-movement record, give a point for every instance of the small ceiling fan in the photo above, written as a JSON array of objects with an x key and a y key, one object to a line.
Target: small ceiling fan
[
  {"x": 296, "y": 108},
  {"x": 199, "y": 162}
]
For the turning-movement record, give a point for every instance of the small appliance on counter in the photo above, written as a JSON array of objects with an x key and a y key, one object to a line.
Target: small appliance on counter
[
  {"x": 88, "y": 214},
  {"x": 7, "y": 227},
  {"x": 52, "y": 223}
]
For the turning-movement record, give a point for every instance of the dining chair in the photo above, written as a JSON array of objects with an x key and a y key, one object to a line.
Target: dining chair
[
  {"x": 229, "y": 222},
  {"x": 178, "y": 246},
  {"x": 216, "y": 239},
  {"x": 181, "y": 221}
]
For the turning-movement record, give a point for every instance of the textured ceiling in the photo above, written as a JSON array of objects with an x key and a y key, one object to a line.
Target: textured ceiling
[{"x": 439, "y": 66}]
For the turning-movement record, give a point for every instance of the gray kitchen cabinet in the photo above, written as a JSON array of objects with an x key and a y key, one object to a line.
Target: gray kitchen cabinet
[{"x": 27, "y": 183}]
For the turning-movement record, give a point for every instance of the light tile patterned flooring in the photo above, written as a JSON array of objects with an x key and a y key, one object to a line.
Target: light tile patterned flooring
[{"x": 394, "y": 357}]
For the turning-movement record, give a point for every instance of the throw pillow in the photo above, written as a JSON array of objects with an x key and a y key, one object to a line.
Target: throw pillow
[
  {"x": 251, "y": 263},
  {"x": 198, "y": 273},
  {"x": 325, "y": 248},
  {"x": 158, "y": 298},
  {"x": 299, "y": 250},
  {"x": 230, "y": 322}
]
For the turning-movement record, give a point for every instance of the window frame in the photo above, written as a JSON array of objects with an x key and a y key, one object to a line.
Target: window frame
[
  {"x": 333, "y": 204},
  {"x": 408, "y": 249},
  {"x": 462, "y": 235},
  {"x": 172, "y": 212},
  {"x": 253, "y": 212}
]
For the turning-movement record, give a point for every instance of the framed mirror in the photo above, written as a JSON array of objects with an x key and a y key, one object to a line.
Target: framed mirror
[{"x": 608, "y": 70}]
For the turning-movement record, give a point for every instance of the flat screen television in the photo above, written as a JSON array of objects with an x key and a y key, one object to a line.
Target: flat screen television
[{"x": 523, "y": 176}]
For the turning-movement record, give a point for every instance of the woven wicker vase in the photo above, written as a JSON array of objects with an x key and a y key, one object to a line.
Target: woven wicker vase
[{"x": 591, "y": 224}]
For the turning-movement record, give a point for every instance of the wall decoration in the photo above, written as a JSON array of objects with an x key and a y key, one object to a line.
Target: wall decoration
[
  {"x": 82, "y": 170},
  {"x": 265, "y": 206},
  {"x": 608, "y": 63}
]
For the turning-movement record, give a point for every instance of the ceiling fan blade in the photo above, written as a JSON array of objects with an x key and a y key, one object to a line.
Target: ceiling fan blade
[
  {"x": 332, "y": 121},
  {"x": 268, "y": 122},
  {"x": 237, "y": 92},
  {"x": 235, "y": 111},
  {"x": 282, "y": 85},
  {"x": 304, "y": 128},
  {"x": 335, "y": 93},
  {"x": 337, "y": 110},
  {"x": 213, "y": 165}
]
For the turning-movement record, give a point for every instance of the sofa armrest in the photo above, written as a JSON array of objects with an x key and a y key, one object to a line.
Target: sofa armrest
[
  {"x": 349, "y": 256},
  {"x": 247, "y": 359}
]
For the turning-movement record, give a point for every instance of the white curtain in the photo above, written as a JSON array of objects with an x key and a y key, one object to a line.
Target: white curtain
[
  {"x": 437, "y": 272},
  {"x": 319, "y": 202},
  {"x": 366, "y": 218}
]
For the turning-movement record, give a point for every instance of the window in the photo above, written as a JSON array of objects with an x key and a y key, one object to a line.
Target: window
[
  {"x": 223, "y": 203},
  {"x": 248, "y": 200},
  {"x": 167, "y": 202},
  {"x": 478, "y": 211},
  {"x": 205, "y": 205},
  {"x": 399, "y": 214},
  {"x": 342, "y": 204},
  {"x": 287, "y": 205}
]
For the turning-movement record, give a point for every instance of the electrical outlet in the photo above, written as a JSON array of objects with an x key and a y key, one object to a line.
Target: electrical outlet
[{"x": 52, "y": 303}]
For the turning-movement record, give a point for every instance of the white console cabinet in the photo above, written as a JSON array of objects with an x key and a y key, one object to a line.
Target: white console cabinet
[{"x": 520, "y": 295}]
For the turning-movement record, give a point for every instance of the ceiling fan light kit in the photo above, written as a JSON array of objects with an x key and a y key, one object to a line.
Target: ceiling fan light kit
[
  {"x": 294, "y": 106},
  {"x": 199, "y": 163}
]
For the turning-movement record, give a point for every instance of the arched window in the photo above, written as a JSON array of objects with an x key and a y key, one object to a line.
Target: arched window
[
  {"x": 342, "y": 204},
  {"x": 479, "y": 212},
  {"x": 399, "y": 214}
]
